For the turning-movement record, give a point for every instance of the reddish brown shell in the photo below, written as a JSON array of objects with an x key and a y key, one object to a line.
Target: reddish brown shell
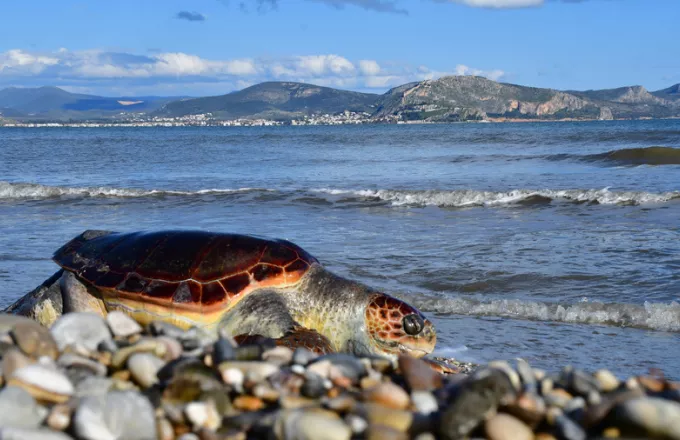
[{"x": 192, "y": 270}]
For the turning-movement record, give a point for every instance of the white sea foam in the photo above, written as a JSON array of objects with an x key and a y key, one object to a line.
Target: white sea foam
[
  {"x": 441, "y": 198},
  {"x": 465, "y": 198},
  {"x": 654, "y": 316},
  {"x": 36, "y": 191}
]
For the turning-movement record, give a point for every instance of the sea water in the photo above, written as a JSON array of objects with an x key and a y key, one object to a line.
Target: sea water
[{"x": 555, "y": 242}]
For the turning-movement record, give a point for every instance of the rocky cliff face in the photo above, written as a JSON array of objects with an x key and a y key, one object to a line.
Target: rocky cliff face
[
  {"x": 471, "y": 98},
  {"x": 477, "y": 98}
]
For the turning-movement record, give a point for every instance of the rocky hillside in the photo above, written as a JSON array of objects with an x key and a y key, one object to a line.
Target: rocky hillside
[
  {"x": 672, "y": 93},
  {"x": 274, "y": 100},
  {"x": 455, "y": 98},
  {"x": 449, "y": 99}
]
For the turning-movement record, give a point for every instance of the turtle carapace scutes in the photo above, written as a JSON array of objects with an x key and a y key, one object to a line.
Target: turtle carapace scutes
[{"x": 237, "y": 284}]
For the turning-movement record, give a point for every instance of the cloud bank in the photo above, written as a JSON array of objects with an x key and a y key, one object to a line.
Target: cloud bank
[{"x": 101, "y": 72}]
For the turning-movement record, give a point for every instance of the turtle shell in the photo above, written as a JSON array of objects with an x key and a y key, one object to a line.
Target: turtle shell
[{"x": 194, "y": 271}]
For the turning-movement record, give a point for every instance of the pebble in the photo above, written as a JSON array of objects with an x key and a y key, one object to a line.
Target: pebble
[
  {"x": 121, "y": 325},
  {"x": 387, "y": 394},
  {"x": 506, "y": 427},
  {"x": 302, "y": 356},
  {"x": 311, "y": 425},
  {"x": 59, "y": 417},
  {"x": 161, "y": 382},
  {"x": 173, "y": 349},
  {"x": 347, "y": 365},
  {"x": 19, "y": 409},
  {"x": 313, "y": 386},
  {"x": 278, "y": 355},
  {"x": 424, "y": 402},
  {"x": 9, "y": 433},
  {"x": 380, "y": 415},
  {"x": 203, "y": 415},
  {"x": 144, "y": 368},
  {"x": 117, "y": 415},
  {"x": 223, "y": 351},
  {"x": 606, "y": 381},
  {"x": 12, "y": 360},
  {"x": 143, "y": 346},
  {"x": 650, "y": 416},
  {"x": 93, "y": 386},
  {"x": 43, "y": 383},
  {"x": 418, "y": 375},
  {"x": 259, "y": 370},
  {"x": 70, "y": 360},
  {"x": 34, "y": 340},
  {"x": 381, "y": 432},
  {"x": 80, "y": 328}
]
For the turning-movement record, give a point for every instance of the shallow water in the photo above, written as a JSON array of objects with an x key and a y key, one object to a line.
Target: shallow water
[{"x": 557, "y": 242}]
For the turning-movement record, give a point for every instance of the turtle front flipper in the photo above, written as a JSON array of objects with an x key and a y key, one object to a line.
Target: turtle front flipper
[
  {"x": 266, "y": 314},
  {"x": 296, "y": 338}
]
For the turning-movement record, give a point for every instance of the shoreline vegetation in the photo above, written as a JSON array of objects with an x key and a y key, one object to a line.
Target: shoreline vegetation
[{"x": 88, "y": 377}]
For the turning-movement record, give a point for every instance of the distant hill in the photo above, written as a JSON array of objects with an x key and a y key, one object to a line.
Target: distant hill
[
  {"x": 56, "y": 103},
  {"x": 274, "y": 100},
  {"x": 671, "y": 93},
  {"x": 448, "y": 99},
  {"x": 455, "y": 98}
]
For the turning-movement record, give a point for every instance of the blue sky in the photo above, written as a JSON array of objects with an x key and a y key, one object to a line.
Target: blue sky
[{"x": 207, "y": 47}]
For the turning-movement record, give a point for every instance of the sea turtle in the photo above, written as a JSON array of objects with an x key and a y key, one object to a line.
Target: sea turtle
[{"x": 240, "y": 284}]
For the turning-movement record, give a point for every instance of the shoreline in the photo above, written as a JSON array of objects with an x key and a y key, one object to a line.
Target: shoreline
[{"x": 268, "y": 123}]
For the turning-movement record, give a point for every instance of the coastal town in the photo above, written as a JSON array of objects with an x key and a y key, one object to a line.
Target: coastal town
[{"x": 209, "y": 120}]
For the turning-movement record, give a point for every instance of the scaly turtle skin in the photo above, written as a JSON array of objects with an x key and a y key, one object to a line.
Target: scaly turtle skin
[{"x": 242, "y": 285}]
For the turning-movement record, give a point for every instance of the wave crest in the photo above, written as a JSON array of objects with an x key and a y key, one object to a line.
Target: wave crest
[
  {"x": 652, "y": 316},
  {"x": 467, "y": 198},
  {"x": 462, "y": 198},
  {"x": 36, "y": 191},
  {"x": 641, "y": 156}
]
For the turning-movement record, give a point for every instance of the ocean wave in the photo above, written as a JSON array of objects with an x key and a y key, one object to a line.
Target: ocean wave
[
  {"x": 640, "y": 156},
  {"x": 468, "y": 198},
  {"x": 652, "y": 316},
  {"x": 348, "y": 197},
  {"x": 36, "y": 191}
]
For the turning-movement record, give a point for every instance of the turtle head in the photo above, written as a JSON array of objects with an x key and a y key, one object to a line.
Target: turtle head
[{"x": 395, "y": 327}]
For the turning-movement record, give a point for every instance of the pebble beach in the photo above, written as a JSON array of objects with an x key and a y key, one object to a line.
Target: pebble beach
[{"x": 94, "y": 378}]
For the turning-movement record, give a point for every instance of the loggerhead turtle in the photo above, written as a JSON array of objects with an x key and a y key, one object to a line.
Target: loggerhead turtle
[{"x": 242, "y": 285}]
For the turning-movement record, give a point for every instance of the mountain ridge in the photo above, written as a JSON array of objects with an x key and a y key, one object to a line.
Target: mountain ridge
[{"x": 447, "y": 99}]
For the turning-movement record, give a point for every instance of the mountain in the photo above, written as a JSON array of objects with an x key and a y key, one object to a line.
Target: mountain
[
  {"x": 448, "y": 99},
  {"x": 672, "y": 93},
  {"x": 56, "y": 103},
  {"x": 455, "y": 98},
  {"x": 274, "y": 100}
]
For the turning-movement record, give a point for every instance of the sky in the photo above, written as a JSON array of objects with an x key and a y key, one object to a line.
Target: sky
[{"x": 212, "y": 47}]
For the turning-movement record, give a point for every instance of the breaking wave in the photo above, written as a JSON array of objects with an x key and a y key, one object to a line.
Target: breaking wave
[
  {"x": 652, "y": 316},
  {"x": 329, "y": 196},
  {"x": 468, "y": 198},
  {"x": 36, "y": 191}
]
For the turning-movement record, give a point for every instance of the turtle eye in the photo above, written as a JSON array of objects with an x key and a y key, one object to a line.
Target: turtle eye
[{"x": 413, "y": 324}]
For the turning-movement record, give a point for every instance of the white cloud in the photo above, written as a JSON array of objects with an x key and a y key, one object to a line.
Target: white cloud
[
  {"x": 20, "y": 61},
  {"x": 369, "y": 67},
  {"x": 491, "y": 74},
  {"x": 106, "y": 72}
]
